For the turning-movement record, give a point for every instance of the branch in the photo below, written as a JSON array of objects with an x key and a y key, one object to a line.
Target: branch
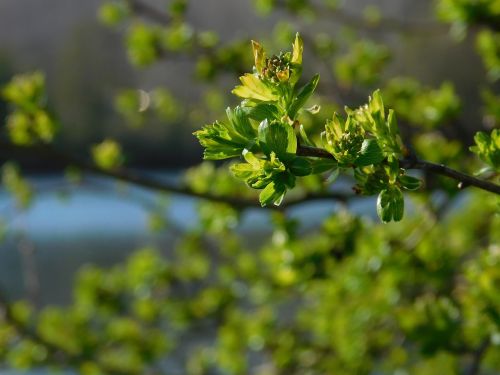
[
  {"x": 384, "y": 25},
  {"x": 139, "y": 179},
  {"x": 477, "y": 357},
  {"x": 414, "y": 163},
  {"x": 145, "y": 10},
  {"x": 463, "y": 179}
]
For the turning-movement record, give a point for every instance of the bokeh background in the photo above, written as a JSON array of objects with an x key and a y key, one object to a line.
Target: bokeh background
[
  {"x": 95, "y": 88},
  {"x": 87, "y": 67}
]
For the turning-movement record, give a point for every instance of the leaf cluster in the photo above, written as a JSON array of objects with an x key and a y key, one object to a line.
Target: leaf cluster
[{"x": 265, "y": 130}]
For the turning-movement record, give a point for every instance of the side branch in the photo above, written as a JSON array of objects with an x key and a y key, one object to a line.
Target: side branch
[
  {"x": 145, "y": 181},
  {"x": 414, "y": 163},
  {"x": 441, "y": 169}
]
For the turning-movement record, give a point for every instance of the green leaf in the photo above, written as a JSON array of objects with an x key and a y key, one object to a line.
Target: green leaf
[
  {"x": 259, "y": 56},
  {"x": 302, "y": 97},
  {"x": 304, "y": 137},
  {"x": 107, "y": 154},
  {"x": 390, "y": 205},
  {"x": 376, "y": 104},
  {"x": 320, "y": 165},
  {"x": 488, "y": 148},
  {"x": 262, "y": 111},
  {"x": 226, "y": 140},
  {"x": 398, "y": 205},
  {"x": 298, "y": 48},
  {"x": 218, "y": 142},
  {"x": 240, "y": 122},
  {"x": 278, "y": 138},
  {"x": 393, "y": 139},
  {"x": 254, "y": 88},
  {"x": 409, "y": 182},
  {"x": 242, "y": 171},
  {"x": 370, "y": 153},
  {"x": 272, "y": 193},
  {"x": 300, "y": 167}
]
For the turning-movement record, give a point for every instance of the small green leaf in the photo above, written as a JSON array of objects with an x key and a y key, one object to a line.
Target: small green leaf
[
  {"x": 304, "y": 137},
  {"x": 240, "y": 122},
  {"x": 390, "y": 205},
  {"x": 383, "y": 206},
  {"x": 242, "y": 170},
  {"x": 488, "y": 148},
  {"x": 253, "y": 88},
  {"x": 272, "y": 193},
  {"x": 398, "y": 209},
  {"x": 370, "y": 153},
  {"x": 376, "y": 104},
  {"x": 226, "y": 140},
  {"x": 409, "y": 182},
  {"x": 107, "y": 154},
  {"x": 220, "y": 141},
  {"x": 298, "y": 48},
  {"x": 320, "y": 165},
  {"x": 302, "y": 97},
  {"x": 262, "y": 111},
  {"x": 259, "y": 56},
  {"x": 300, "y": 167},
  {"x": 278, "y": 138}
]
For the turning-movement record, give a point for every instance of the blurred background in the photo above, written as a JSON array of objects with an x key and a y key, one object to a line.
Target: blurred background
[
  {"x": 92, "y": 86},
  {"x": 106, "y": 80}
]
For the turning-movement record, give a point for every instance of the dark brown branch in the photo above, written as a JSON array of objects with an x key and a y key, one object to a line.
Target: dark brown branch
[
  {"x": 441, "y": 169},
  {"x": 142, "y": 180},
  {"x": 414, "y": 163}
]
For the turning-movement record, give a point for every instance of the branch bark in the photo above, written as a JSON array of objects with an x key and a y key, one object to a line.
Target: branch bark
[
  {"x": 145, "y": 181},
  {"x": 414, "y": 163},
  {"x": 384, "y": 25}
]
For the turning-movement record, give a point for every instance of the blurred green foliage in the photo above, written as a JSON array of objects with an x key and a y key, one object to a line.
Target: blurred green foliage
[
  {"x": 342, "y": 294},
  {"x": 29, "y": 121}
]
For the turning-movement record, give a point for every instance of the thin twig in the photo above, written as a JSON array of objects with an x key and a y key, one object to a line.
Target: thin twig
[
  {"x": 441, "y": 169},
  {"x": 415, "y": 163}
]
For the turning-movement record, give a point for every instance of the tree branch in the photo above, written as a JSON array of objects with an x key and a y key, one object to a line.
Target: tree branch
[
  {"x": 139, "y": 179},
  {"x": 477, "y": 357},
  {"x": 145, "y": 10},
  {"x": 384, "y": 25},
  {"x": 415, "y": 163}
]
